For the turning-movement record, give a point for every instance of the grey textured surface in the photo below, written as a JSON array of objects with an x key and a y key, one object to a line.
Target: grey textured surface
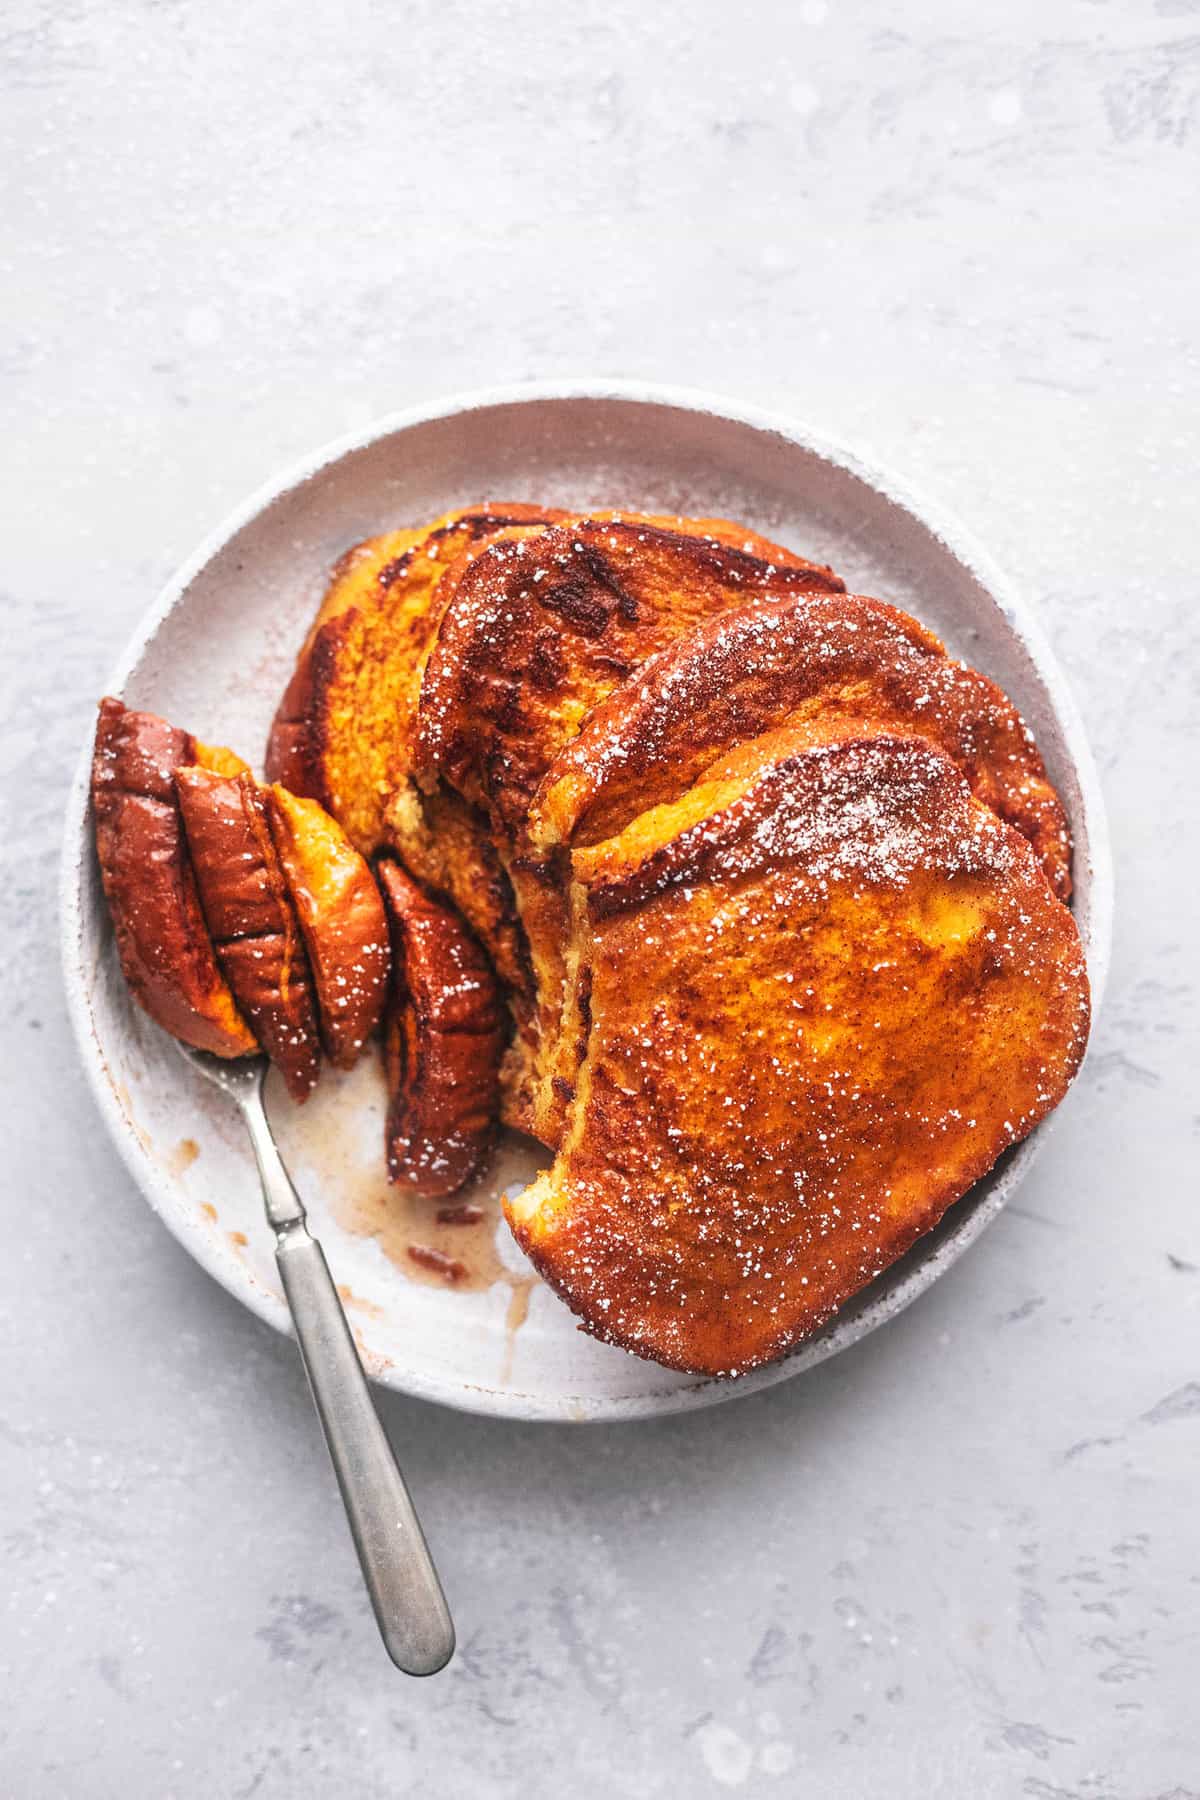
[{"x": 959, "y": 1560}]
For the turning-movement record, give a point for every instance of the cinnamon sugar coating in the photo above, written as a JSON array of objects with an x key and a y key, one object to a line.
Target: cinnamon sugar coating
[
  {"x": 443, "y": 1035},
  {"x": 780, "y": 662},
  {"x": 819, "y": 1002},
  {"x": 341, "y": 917},
  {"x": 251, "y": 917},
  {"x": 535, "y": 634},
  {"x": 166, "y": 952}
]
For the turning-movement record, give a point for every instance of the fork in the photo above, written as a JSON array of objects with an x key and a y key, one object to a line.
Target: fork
[{"x": 410, "y": 1607}]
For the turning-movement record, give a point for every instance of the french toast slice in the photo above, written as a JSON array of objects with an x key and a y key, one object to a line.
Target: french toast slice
[
  {"x": 446, "y": 843},
  {"x": 821, "y": 998},
  {"x": 166, "y": 953},
  {"x": 443, "y": 1034},
  {"x": 341, "y": 918},
  {"x": 770, "y": 665},
  {"x": 297, "y": 747},
  {"x": 539, "y": 630},
  {"x": 343, "y": 729},
  {"x": 251, "y": 918},
  {"x": 534, "y": 634}
]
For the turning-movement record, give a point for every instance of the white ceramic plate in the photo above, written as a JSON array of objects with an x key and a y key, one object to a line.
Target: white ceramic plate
[{"x": 213, "y": 655}]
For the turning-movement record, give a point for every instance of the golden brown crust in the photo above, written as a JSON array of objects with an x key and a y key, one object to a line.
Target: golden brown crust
[
  {"x": 443, "y": 1037},
  {"x": 342, "y": 920},
  {"x": 251, "y": 917},
  {"x": 537, "y": 632},
  {"x": 166, "y": 953},
  {"x": 721, "y": 531},
  {"x": 534, "y": 634},
  {"x": 343, "y": 731},
  {"x": 766, "y": 666},
  {"x": 298, "y": 743},
  {"x": 816, "y": 1015},
  {"x": 446, "y": 842}
]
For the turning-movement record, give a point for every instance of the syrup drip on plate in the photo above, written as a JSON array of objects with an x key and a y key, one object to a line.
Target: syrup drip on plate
[{"x": 335, "y": 1144}]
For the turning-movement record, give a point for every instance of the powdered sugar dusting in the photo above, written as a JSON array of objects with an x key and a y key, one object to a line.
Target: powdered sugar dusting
[{"x": 818, "y": 1016}]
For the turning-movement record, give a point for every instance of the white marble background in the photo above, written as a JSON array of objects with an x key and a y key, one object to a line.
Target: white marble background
[{"x": 960, "y": 1561}]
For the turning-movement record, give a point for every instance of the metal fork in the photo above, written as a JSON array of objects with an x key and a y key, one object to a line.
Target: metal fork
[{"x": 410, "y": 1607}]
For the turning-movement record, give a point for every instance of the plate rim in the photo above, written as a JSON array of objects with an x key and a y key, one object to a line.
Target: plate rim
[{"x": 936, "y": 519}]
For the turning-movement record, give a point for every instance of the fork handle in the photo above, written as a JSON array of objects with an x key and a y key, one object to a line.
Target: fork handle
[{"x": 410, "y": 1608}]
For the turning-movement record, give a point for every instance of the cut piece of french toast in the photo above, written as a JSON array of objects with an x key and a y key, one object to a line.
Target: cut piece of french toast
[
  {"x": 778, "y": 663},
  {"x": 166, "y": 953},
  {"x": 444, "y": 1032},
  {"x": 341, "y": 917},
  {"x": 820, "y": 998},
  {"x": 534, "y": 634},
  {"x": 446, "y": 844},
  {"x": 342, "y": 734},
  {"x": 251, "y": 918}
]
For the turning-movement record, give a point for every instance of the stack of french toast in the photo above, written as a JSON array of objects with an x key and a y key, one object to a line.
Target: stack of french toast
[{"x": 644, "y": 837}]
